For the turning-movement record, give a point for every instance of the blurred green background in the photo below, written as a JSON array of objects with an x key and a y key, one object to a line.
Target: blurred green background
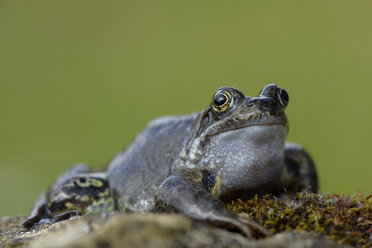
[{"x": 78, "y": 79}]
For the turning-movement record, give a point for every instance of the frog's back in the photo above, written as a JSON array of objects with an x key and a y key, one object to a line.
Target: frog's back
[{"x": 136, "y": 173}]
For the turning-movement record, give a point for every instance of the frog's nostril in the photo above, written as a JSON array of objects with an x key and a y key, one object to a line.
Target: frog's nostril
[{"x": 250, "y": 103}]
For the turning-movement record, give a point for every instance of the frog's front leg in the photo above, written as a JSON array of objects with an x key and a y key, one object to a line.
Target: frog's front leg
[
  {"x": 299, "y": 171},
  {"x": 194, "y": 194}
]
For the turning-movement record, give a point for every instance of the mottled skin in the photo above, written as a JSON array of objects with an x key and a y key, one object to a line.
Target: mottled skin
[{"x": 193, "y": 164}]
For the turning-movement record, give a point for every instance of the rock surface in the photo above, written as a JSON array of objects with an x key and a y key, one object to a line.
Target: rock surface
[{"x": 143, "y": 230}]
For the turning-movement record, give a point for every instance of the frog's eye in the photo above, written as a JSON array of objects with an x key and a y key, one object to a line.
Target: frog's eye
[
  {"x": 282, "y": 96},
  {"x": 222, "y": 100}
]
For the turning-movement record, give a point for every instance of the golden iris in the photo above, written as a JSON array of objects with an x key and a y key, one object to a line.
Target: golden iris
[{"x": 222, "y": 100}]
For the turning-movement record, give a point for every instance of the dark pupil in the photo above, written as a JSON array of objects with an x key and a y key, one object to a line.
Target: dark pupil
[
  {"x": 220, "y": 99},
  {"x": 284, "y": 95}
]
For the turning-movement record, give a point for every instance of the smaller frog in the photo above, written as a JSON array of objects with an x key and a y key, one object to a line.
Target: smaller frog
[{"x": 193, "y": 165}]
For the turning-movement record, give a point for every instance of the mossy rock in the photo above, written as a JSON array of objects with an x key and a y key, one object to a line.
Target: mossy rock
[
  {"x": 346, "y": 219},
  {"x": 304, "y": 220}
]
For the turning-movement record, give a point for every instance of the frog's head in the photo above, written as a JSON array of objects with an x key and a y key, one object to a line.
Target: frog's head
[
  {"x": 230, "y": 109},
  {"x": 240, "y": 138}
]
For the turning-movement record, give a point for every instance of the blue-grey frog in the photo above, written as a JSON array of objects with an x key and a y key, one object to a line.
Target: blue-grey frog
[{"x": 192, "y": 164}]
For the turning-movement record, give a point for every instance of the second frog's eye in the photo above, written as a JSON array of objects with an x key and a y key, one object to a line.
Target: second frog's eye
[
  {"x": 282, "y": 96},
  {"x": 222, "y": 100}
]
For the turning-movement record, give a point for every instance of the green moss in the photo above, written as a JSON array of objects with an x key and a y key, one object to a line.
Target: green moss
[{"x": 347, "y": 219}]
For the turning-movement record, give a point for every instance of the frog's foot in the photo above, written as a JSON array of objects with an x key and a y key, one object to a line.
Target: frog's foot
[
  {"x": 299, "y": 172},
  {"x": 34, "y": 222},
  {"x": 194, "y": 194},
  {"x": 37, "y": 213},
  {"x": 76, "y": 192},
  {"x": 240, "y": 223},
  {"x": 65, "y": 215}
]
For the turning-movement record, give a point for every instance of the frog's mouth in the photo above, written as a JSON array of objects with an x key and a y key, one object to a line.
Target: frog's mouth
[
  {"x": 221, "y": 128},
  {"x": 245, "y": 121}
]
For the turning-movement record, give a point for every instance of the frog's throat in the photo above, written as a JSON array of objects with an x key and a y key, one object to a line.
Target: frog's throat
[{"x": 191, "y": 155}]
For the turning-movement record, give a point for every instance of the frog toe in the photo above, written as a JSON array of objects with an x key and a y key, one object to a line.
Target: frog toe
[
  {"x": 242, "y": 224},
  {"x": 37, "y": 212},
  {"x": 252, "y": 228},
  {"x": 30, "y": 221},
  {"x": 66, "y": 215}
]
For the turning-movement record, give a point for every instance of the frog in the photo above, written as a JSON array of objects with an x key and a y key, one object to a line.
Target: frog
[{"x": 193, "y": 165}]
